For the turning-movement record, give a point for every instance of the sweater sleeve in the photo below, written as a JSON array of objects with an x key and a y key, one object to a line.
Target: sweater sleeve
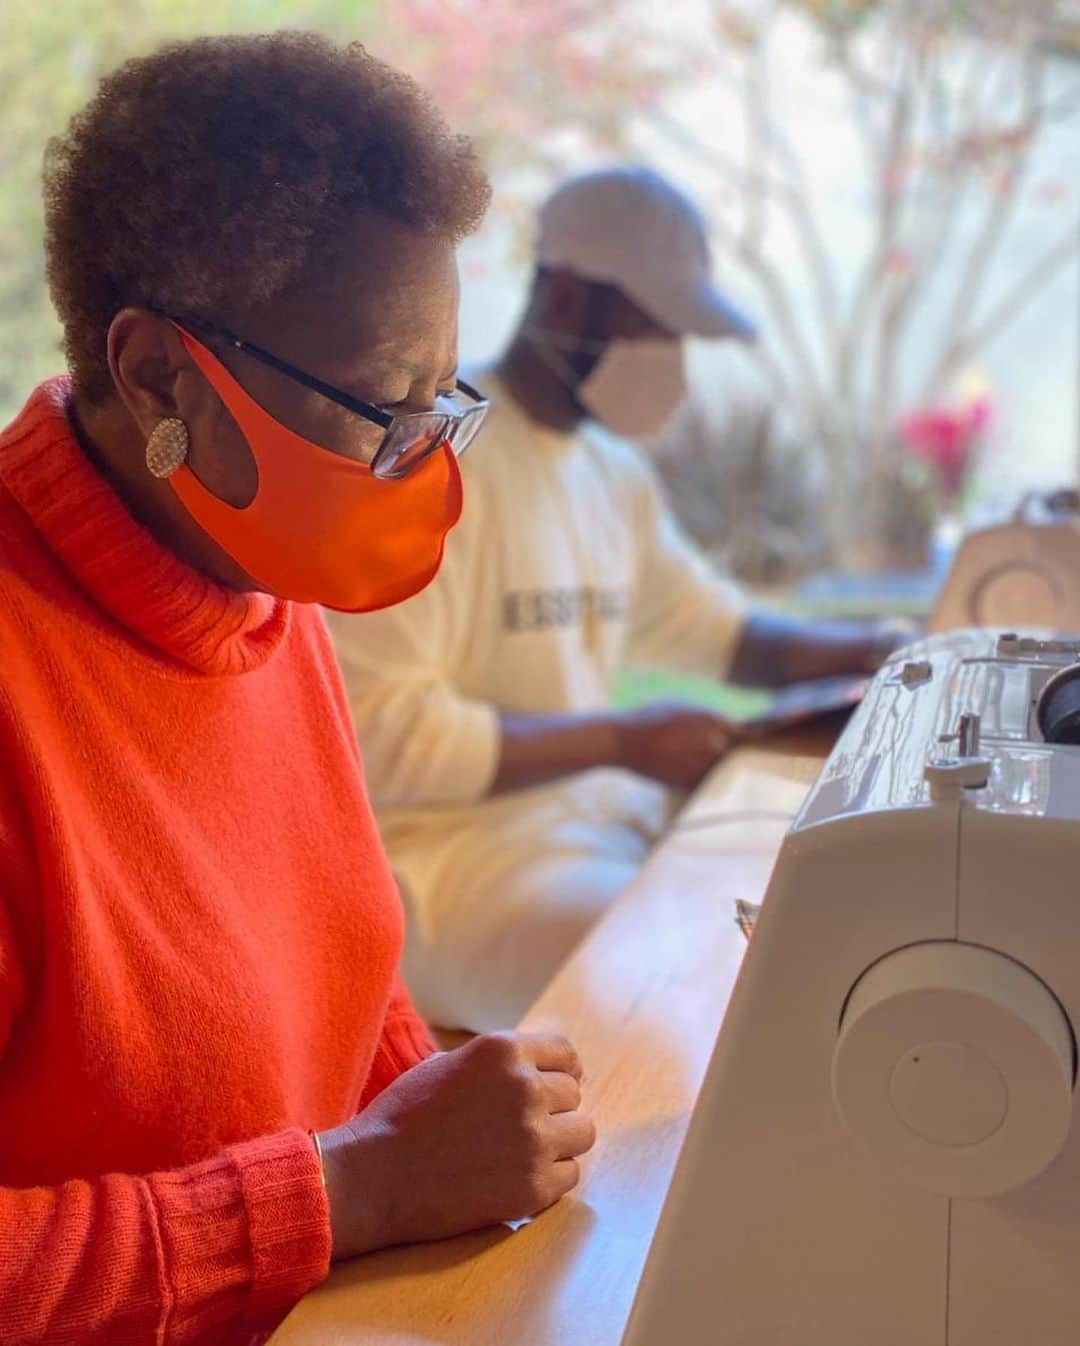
[
  {"x": 686, "y": 616},
  {"x": 228, "y": 1244},
  {"x": 405, "y": 1041}
]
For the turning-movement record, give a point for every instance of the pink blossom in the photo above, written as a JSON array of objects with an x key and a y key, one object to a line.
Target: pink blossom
[{"x": 946, "y": 437}]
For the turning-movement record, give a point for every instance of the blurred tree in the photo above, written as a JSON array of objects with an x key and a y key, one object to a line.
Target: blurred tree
[
  {"x": 511, "y": 73},
  {"x": 540, "y": 87},
  {"x": 51, "y": 57},
  {"x": 947, "y": 101},
  {"x": 947, "y": 104}
]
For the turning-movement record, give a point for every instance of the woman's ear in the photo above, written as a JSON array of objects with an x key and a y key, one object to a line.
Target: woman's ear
[
  {"x": 157, "y": 380},
  {"x": 148, "y": 363}
]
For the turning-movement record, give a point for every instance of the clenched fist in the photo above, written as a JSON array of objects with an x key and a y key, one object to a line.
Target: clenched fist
[{"x": 468, "y": 1138}]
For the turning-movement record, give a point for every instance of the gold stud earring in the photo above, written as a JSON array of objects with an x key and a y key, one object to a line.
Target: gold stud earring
[{"x": 167, "y": 447}]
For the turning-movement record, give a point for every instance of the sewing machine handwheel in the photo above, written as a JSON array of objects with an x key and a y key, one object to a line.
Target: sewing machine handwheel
[
  {"x": 955, "y": 1065},
  {"x": 1058, "y": 709}
]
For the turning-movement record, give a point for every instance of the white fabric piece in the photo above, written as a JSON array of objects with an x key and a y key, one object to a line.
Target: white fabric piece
[{"x": 567, "y": 566}]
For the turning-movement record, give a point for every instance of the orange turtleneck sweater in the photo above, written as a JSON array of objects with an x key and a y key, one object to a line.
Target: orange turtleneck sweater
[{"x": 198, "y": 929}]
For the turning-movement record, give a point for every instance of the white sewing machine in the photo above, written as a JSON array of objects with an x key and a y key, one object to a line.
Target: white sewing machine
[
  {"x": 884, "y": 1151},
  {"x": 1020, "y": 571}
]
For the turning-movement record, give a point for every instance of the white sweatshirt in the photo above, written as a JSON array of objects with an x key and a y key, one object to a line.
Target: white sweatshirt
[{"x": 567, "y": 565}]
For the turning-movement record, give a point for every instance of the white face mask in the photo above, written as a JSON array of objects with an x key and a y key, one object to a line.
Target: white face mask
[{"x": 636, "y": 386}]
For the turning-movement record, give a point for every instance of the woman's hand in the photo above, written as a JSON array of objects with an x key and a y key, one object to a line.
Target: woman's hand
[{"x": 468, "y": 1138}]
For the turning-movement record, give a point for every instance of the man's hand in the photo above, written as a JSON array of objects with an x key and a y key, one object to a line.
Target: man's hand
[
  {"x": 468, "y": 1138},
  {"x": 675, "y": 744}
]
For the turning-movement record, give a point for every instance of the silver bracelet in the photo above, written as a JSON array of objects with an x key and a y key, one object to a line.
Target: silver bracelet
[{"x": 314, "y": 1137}]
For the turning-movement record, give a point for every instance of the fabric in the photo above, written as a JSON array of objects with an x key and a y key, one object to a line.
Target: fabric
[
  {"x": 199, "y": 933},
  {"x": 567, "y": 566}
]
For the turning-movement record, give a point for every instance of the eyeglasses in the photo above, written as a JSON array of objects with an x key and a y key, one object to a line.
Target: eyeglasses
[{"x": 409, "y": 437}]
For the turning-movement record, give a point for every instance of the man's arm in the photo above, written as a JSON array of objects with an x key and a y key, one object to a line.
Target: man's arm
[
  {"x": 774, "y": 650},
  {"x": 686, "y": 617},
  {"x": 538, "y": 748},
  {"x": 676, "y": 745}
]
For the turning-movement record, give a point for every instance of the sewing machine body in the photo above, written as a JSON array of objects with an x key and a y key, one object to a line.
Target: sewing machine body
[
  {"x": 1021, "y": 571},
  {"x": 883, "y": 1152}
]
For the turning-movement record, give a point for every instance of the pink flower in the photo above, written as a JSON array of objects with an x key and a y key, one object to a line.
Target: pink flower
[{"x": 946, "y": 437}]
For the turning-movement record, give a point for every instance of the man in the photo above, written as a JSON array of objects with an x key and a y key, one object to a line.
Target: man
[{"x": 514, "y": 803}]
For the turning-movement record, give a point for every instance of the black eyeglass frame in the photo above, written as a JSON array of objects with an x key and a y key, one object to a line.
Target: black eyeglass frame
[{"x": 391, "y": 422}]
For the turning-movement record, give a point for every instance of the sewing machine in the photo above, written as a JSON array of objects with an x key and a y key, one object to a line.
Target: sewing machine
[
  {"x": 1019, "y": 571},
  {"x": 884, "y": 1151}
]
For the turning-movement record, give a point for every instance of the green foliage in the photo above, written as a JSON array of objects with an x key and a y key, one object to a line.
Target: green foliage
[{"x": 51, "y": 57}]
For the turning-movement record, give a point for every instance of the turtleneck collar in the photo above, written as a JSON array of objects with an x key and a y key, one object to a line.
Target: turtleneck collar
[{"x": 139, "y": 583}]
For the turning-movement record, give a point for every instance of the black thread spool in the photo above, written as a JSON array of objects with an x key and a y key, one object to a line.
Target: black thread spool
[{"x": 1058, "y": 709}]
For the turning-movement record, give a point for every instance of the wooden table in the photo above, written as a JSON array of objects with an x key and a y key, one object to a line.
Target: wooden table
[{"x": 643, "y": 998}]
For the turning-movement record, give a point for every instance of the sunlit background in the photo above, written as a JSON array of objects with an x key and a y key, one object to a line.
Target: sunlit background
[{"x": 894, "y": 188}]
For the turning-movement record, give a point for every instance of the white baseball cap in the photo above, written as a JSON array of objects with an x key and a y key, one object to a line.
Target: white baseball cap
[{"x": 631, "y": 228}]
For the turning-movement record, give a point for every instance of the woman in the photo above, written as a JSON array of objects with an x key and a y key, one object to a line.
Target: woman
[{"x": 211, "y": 1080}]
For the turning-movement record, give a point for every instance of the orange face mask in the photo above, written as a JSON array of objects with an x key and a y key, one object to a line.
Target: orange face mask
[{"x": 323, "y": 528}]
